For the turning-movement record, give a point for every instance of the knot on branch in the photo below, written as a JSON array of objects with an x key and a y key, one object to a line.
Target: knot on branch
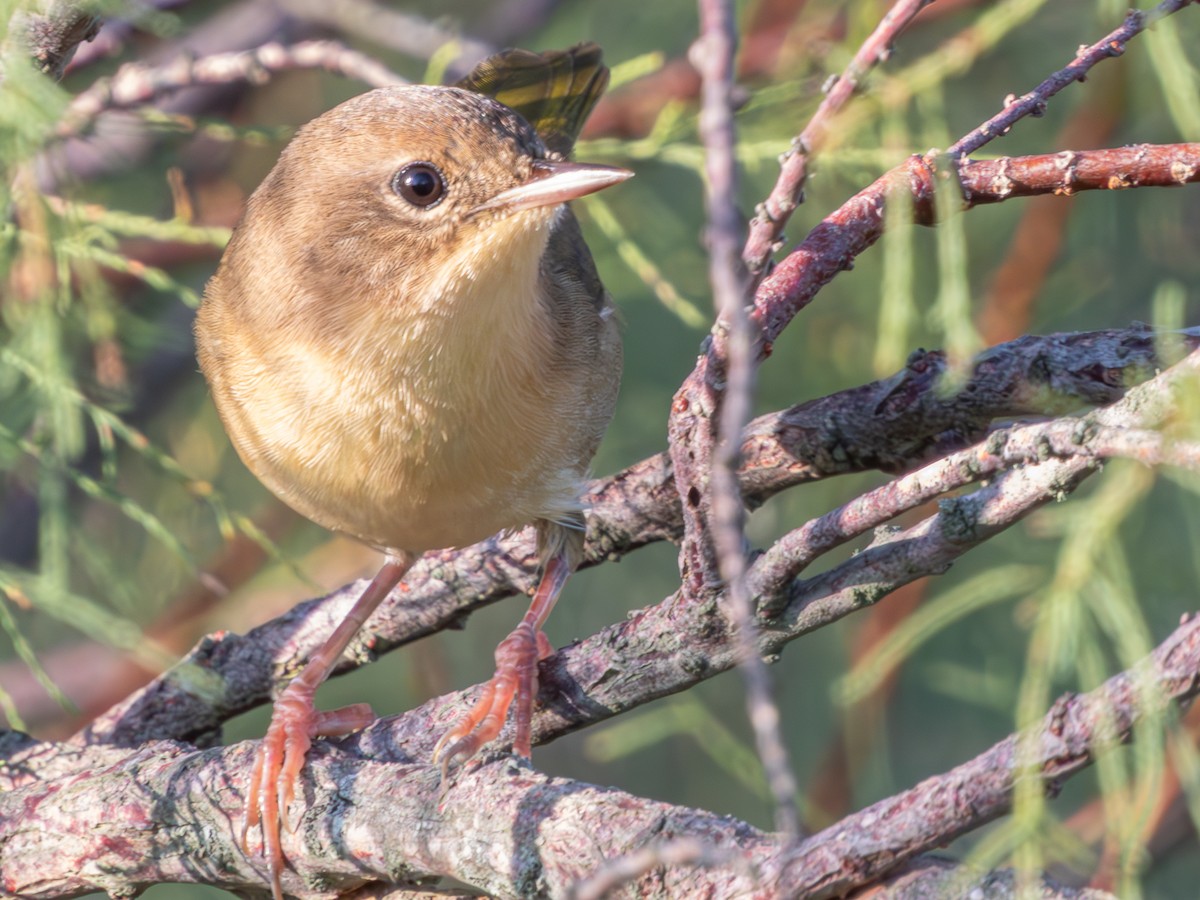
[
  {"x": 920, "y": 173},
  {"x": 53, "y": 36}
]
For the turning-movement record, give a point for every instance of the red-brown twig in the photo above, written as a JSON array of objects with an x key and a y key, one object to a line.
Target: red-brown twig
[{"x": 1069, "y": 171}]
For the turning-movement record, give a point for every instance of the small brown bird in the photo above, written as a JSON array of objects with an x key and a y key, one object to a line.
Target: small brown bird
[{"x": 407, "y": 342}]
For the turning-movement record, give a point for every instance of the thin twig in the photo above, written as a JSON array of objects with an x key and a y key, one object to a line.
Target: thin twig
[
  {"x": 1005, "y": 448},
  {"x": 766, "y": 229},
  {"x": 119, "y": 142},
  {"x": 1033, "y": 103},
  {"x": 714, "y": 52},
  {"x": 136, "y": 84}
]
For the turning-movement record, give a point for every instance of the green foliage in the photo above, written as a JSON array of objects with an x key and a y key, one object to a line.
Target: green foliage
[{"x": 66, "y": 341}]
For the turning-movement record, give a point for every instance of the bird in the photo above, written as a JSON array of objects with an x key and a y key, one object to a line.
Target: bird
[{"x": 407, "y": 342}]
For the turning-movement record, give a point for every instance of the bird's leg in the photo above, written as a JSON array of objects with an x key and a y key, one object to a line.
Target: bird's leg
[
  {"x": 516, "y": 676},
  {"x": 295, "y": 722}
]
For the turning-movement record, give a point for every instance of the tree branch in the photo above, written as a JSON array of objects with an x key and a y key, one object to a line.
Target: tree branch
[
  {"x": 1077, "y": 728},
  {"x": 1033, "y": 103},
  {"x": 828, "y": 249},
  {"x": 166, "y": 813},
  {"x": 137, "y": 84},
  {"x": 1069, "y": 171}
]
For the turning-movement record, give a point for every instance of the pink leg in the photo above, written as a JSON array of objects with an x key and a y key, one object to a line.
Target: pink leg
[
  {"x": 516, "y": 676},
  {"x": 295, "y": 723}
]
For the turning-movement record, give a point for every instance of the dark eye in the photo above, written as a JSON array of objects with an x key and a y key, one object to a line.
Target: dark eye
[{"x": 420, "y": 183}]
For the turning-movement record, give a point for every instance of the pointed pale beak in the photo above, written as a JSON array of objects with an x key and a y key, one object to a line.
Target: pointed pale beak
[{"x": 554, "y": 182}]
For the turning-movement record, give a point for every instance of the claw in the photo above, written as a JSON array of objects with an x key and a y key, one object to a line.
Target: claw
[
  {"x": 516, "y": 677},
  {"x": 278, "y": 764}
]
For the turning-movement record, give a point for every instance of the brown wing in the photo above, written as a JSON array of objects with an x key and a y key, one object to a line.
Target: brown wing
[
  {"x": 588, "y": 337},
  {"x": 589, "y": 359}
]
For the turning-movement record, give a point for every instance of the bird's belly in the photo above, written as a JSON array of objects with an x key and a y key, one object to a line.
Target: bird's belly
[{"x": 413, "y": 464}]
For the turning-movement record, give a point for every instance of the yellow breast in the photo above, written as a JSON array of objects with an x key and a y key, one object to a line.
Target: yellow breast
[{"x": 412, "y": 421}]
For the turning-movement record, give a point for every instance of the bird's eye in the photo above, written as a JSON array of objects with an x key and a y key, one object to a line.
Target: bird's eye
[{"x": 420, "y": 183}]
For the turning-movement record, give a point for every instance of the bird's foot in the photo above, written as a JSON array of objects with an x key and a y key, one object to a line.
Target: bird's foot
[
  {"x": 277, "y": 764},
  {"x": 516, "y": 677}
]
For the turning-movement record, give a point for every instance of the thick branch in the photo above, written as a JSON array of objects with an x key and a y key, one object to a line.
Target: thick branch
[
  {"x": 863, "y": 846},
  {"x": 168, "y": 813}
]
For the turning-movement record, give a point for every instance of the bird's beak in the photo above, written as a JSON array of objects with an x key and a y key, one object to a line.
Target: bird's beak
[{"x": 554, "y": 182}]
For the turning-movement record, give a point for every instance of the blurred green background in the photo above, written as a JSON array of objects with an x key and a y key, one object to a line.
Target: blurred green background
[{"x": 102, "y": 533}]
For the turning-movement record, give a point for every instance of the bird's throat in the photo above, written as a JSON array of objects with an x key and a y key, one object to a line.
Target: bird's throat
[{"x": 486, "y": 296}]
